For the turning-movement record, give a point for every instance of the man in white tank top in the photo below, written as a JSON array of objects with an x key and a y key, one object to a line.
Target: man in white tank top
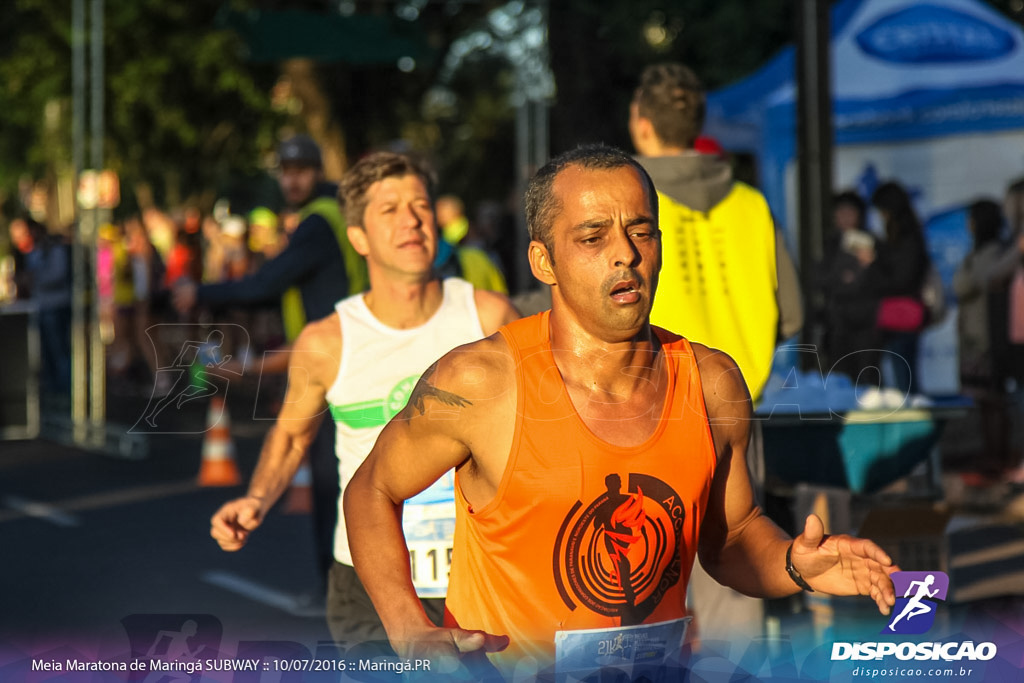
[{"x": 359, "y": 365}]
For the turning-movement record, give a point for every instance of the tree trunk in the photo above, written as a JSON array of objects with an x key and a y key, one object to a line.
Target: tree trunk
[{"x": 316, "y": 114}]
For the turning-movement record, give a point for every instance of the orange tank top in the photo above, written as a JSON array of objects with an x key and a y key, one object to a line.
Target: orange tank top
[{"x": 582, "y": 534}]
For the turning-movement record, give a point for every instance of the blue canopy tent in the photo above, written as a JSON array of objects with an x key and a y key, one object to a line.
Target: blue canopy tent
[
  {"x": 902, "y": 72},
  {"x": 928, "y": 93}
]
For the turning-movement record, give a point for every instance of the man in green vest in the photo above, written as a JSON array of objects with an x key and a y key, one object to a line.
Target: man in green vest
[{"x": 318, "y": 260}]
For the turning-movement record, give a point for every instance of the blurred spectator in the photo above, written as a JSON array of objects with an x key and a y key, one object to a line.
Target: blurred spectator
[
  {"x": 46, "y": 276},
  {"x": 471, "y": 264},
  {"x": 981, "y": 283},
  {"x": 122, "y": 350},
  {"x": 23, "y": 242},
  {"x": 451, "y": 216},
  {"x": 161, "y": 230},
  {"x": 106, "y": 238},
  {"x": 147, "y": 277},
  {"x": 233, "y": 232},
  {"x": 850, "y": 306},
  {"x": 896, "y": 275},
  {"x": 213, "y": 251},
  {"x": 726, "y": 279},
  {"x": 266, "y": 240},
  {"x": 318, "y": 259},
  {"x": 1014, "y": 206},
  {"x": 191, "y": 221},
  {"x": 235, "y": 264},
  {"x": 462, "y": 251},
  {"x": 181, "y": 258}
]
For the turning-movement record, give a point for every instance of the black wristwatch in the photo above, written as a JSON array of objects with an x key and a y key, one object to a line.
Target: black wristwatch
[{"x": 793, "y": 573}]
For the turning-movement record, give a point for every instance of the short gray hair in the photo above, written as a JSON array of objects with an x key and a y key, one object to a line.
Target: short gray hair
[{"x": 541, "y": 202}]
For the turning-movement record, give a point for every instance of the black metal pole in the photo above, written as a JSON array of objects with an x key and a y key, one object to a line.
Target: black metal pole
[{"x": 814, "y": 146}]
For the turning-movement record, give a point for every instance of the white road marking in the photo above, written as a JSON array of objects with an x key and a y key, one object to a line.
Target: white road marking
[
  {"x": 21, "y": 507},
  {"x": 44, "y": 511},
  {"x": 992, "y": 553}
]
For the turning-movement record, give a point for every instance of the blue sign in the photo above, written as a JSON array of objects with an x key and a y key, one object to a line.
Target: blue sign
[{"x": 936, "y": 35}]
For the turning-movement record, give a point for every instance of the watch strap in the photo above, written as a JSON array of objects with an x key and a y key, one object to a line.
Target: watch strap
[{"x": 793, "y": 573}]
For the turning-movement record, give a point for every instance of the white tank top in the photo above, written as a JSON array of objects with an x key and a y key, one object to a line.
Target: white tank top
[{"x": 379, "y": 368}]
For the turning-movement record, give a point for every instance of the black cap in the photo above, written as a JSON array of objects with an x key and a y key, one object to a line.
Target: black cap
[{"x": 299, "y": 149}]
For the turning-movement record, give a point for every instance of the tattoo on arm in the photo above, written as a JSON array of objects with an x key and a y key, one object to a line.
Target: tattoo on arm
[{"x": 424, "y": 390}]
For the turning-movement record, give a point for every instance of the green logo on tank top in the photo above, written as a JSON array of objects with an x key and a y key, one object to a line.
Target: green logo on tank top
[{"x": 375, "y": 413}]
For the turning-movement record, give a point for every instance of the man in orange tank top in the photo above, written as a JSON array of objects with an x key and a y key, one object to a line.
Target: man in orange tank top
[{"x": 595, "y": 455}]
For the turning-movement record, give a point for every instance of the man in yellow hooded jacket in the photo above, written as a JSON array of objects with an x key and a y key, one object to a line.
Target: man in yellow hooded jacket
[{"x": 726, "y": 278}]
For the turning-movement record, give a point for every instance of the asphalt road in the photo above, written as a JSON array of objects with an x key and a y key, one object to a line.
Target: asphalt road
[
  {"x": 95, "y": 550},
  {"x": 104, "y": 559}
]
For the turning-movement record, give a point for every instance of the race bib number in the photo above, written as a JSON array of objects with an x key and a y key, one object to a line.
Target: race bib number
[
  {"x": 431, "y": 563},
  {"x": 429, "y": 525},
  {"x": 646, "y": 652}
]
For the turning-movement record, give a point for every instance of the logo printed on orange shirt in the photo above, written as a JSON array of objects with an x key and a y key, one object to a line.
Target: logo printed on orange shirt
[{"x": 620, "y": 554}]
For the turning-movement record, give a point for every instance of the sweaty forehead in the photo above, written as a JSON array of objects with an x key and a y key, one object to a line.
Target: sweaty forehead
[{"x": 601, "y": 191}]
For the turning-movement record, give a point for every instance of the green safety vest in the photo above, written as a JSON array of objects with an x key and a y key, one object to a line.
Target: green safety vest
[{"x": 292, "y": 312}]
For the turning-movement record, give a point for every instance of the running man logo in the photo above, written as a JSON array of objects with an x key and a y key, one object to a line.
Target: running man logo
[
  {"x": 194, "y": 362},
  {"x": 173, "y": 646},
  {"x": 914, "y": 612},
  {"x": 620, "y": 554}
]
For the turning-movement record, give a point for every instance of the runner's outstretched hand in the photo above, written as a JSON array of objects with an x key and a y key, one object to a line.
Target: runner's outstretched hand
[{"x": 844, "y": 565}]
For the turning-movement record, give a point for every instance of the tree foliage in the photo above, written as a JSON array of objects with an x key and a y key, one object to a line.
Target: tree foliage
[
  {"x": 182, "y": 107},
  {"x": 186, "y": 108},
  {"x": 598, "y": 52}
]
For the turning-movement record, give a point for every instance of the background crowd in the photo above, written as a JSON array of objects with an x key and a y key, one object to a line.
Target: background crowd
[{"x": 880, "y": 290}]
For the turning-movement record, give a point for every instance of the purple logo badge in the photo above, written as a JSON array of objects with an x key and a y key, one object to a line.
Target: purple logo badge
[{"x": 916, "y": 596}]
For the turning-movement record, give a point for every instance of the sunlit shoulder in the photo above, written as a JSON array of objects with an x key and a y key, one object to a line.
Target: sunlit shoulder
[
  {"x": 317, "y": 351},
  {"x": 479, "y": 372},
  {"x": 725, "y": 391}
]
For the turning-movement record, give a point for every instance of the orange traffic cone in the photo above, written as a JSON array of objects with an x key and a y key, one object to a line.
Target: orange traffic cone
[
  {"x": 300, "y": 493},
  {"x": 218, "y": 467}
]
